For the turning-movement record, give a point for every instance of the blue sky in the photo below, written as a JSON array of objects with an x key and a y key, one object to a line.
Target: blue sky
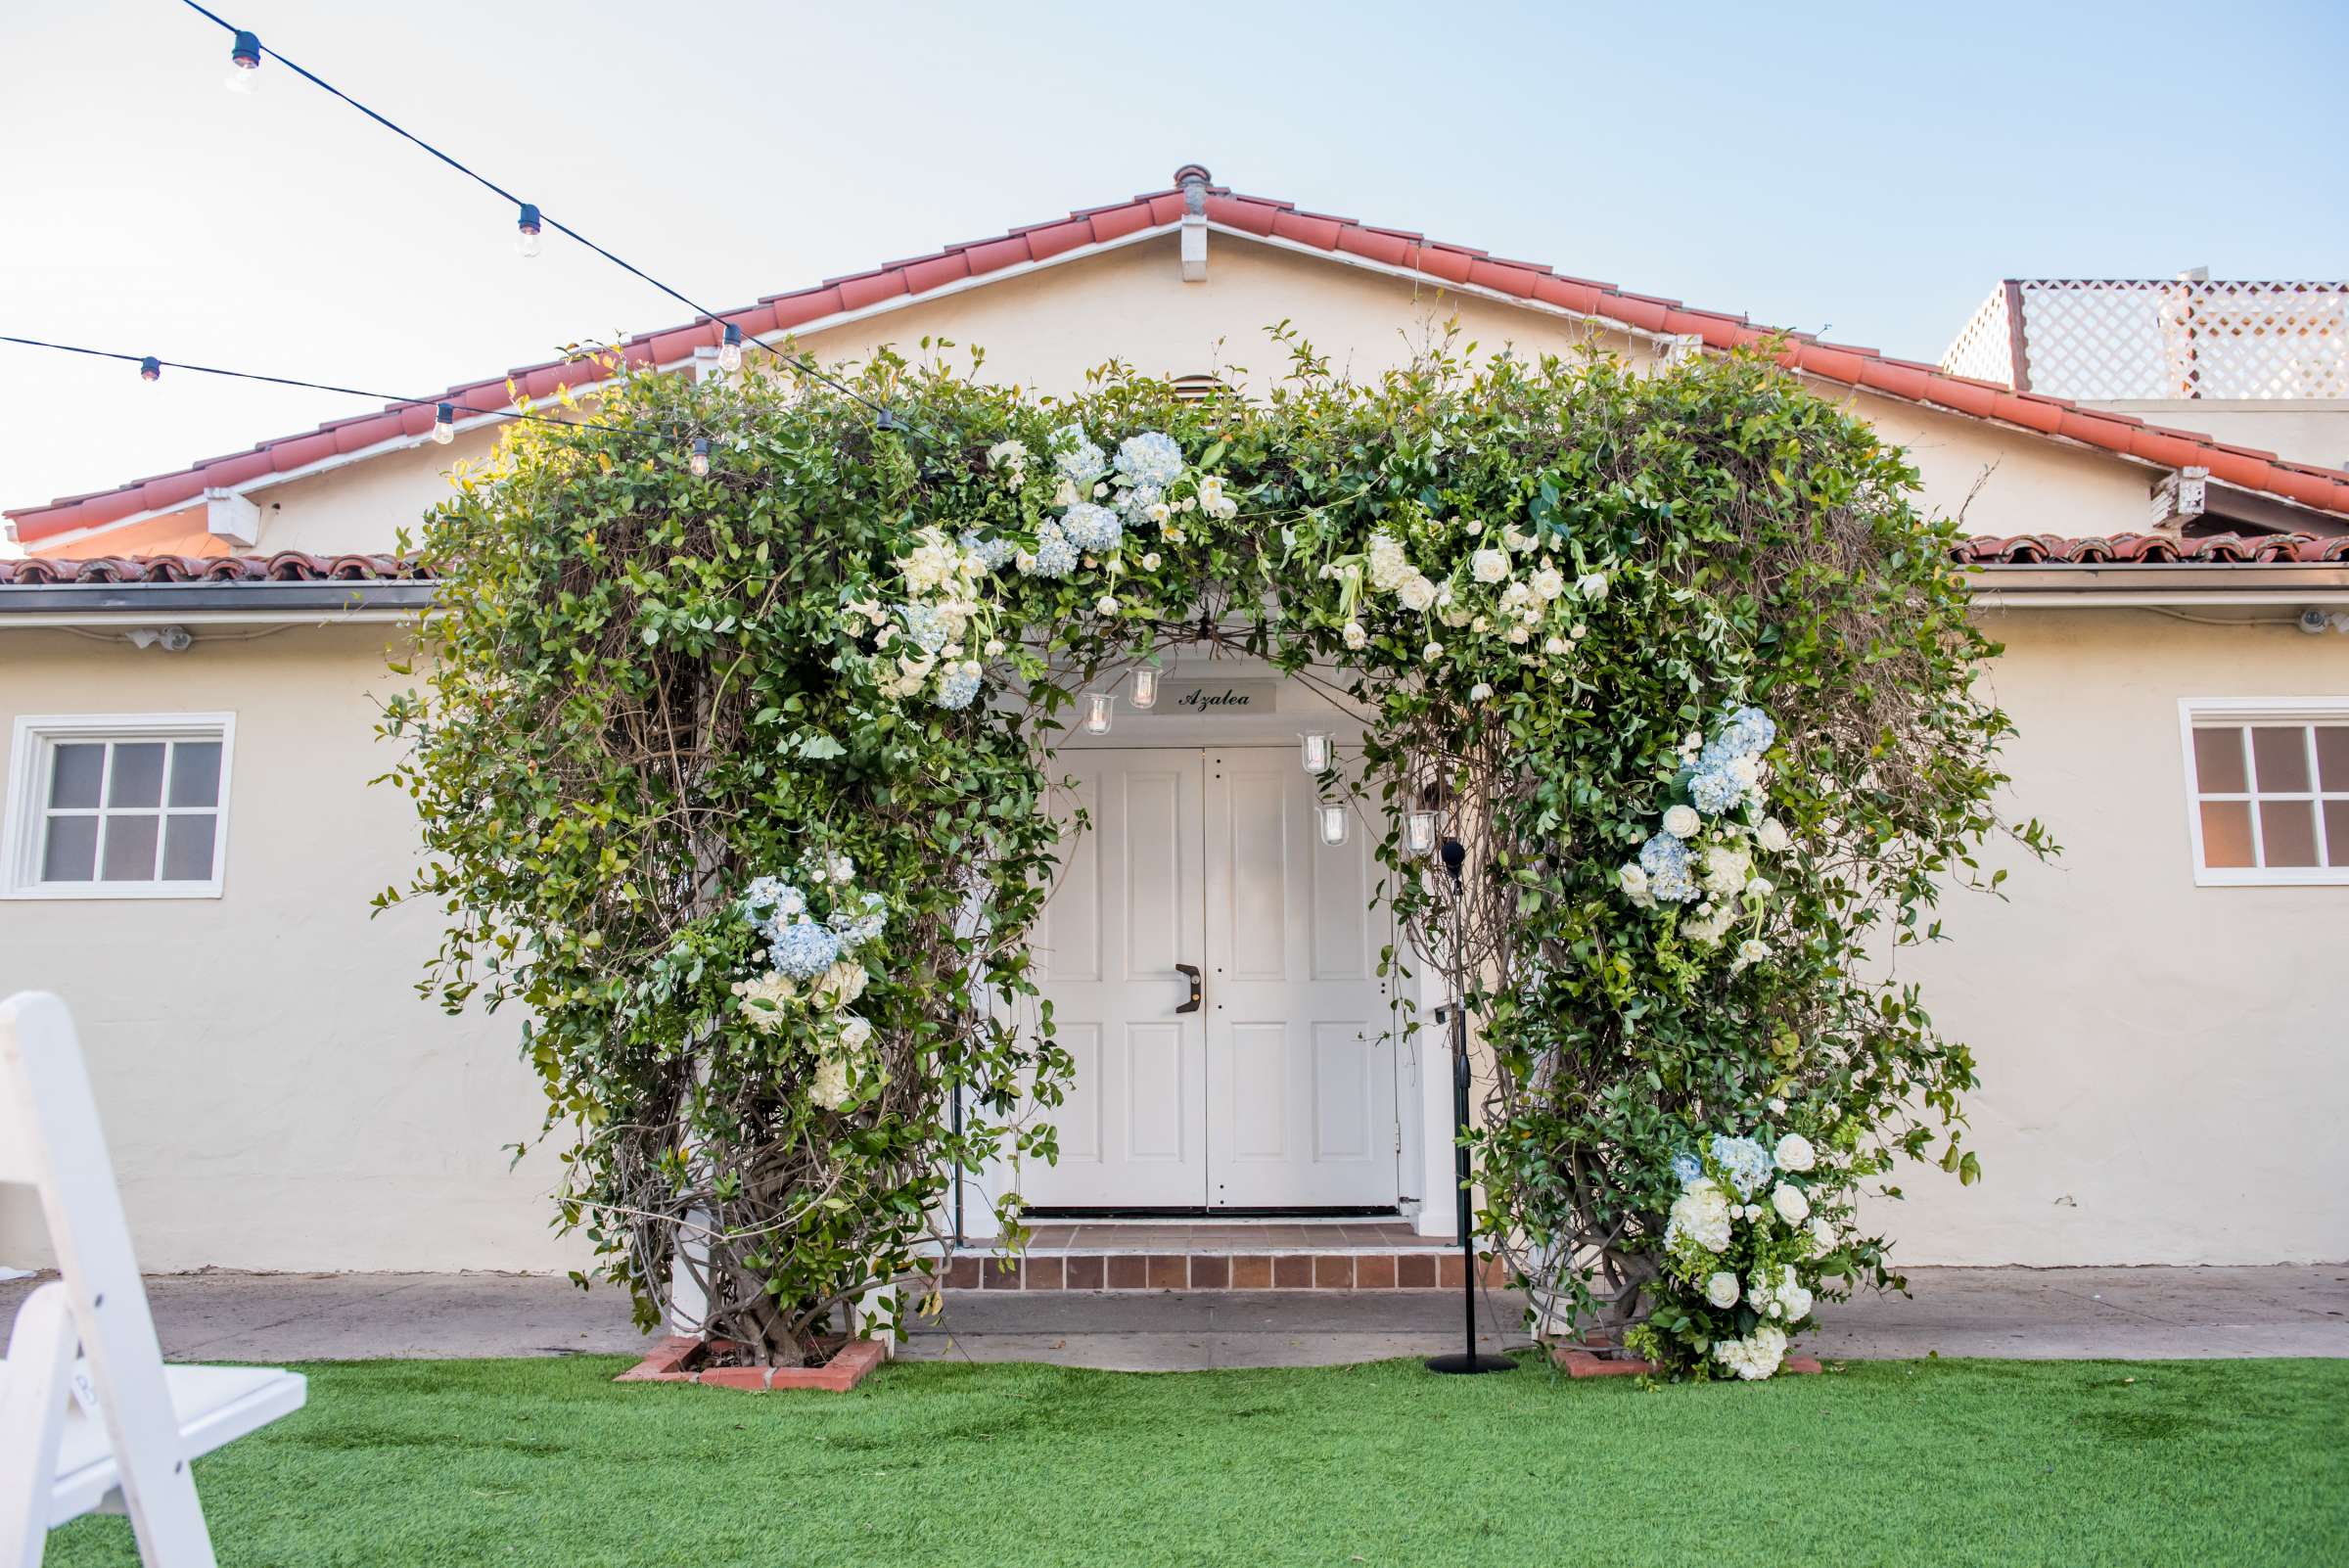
[{"x": 1866, "y": 170}]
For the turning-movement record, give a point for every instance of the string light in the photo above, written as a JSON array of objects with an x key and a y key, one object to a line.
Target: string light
[
  {"x": 729, "y": 350},
  {"x": 526, "y": 240},
  {"x": 245, "y": 64},
  {"x": 151, "y": 369},
  {"x": 699, "y": 462},
  {"x": 445, "y": 422}
]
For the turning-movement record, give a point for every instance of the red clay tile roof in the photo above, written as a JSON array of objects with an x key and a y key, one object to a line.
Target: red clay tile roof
[
  {"x": 287, "y": 566},
  {"x": 2156, "y": 549},
  {"x": 2245, "y": 467}
]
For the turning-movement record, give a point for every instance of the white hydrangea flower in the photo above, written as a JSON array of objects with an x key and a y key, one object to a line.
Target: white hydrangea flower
[
  {"x": 1488, "y": 565},
  {"x": 1701, "y": 1213},
  {"x": 1681, "y": 821},
  {"x": 1010, "y": 457},
  {"x": 1791, "y": 1202},
  {"x": 1721, "y": 1289},
  {"x": 840, "y": 985}
]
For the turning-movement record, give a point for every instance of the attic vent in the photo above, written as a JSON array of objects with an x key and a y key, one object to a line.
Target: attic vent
[{"x": 1199, "y": 388}]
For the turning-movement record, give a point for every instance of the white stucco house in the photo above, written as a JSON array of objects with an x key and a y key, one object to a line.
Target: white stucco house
[{"x": 188, "y": 667}]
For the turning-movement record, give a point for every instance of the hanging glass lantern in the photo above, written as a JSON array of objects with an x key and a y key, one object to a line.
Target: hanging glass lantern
[
  {"x": 1145, "y": 687},
  {"x": 1314, "y": 752},
  {"x": 1336, "y": 822},
  {"x": 1419, "y": 835},
  {"x": 1100, "y": 705}
]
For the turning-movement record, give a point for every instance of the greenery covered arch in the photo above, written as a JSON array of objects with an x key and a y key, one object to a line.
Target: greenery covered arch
[{"x": 732, "y": 771}]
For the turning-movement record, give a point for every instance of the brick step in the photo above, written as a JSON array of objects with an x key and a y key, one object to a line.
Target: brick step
[{"x": 1414, "y": 1269}]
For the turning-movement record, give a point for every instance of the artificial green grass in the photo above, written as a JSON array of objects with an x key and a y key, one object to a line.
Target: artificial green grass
[{"x": 1899, "y": 1462}]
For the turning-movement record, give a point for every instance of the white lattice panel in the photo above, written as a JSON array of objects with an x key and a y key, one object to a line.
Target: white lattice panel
[{"x": 2110, "y": 339}]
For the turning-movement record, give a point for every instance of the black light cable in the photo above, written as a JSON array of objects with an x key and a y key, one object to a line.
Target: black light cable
[{"x": 245, "y": 52}]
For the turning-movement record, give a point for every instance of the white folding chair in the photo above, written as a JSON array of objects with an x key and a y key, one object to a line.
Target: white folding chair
[{"x": 117, "y": 1430}]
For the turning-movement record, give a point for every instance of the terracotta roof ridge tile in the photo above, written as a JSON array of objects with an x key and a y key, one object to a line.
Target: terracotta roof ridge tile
[
  {"x": 2154, "y": 549},
  {"x": 286, "y": 566},
  {"x": 1441, "y": 261}
]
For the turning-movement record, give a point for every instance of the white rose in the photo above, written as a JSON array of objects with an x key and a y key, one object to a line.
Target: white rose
[
  {"x": 1721, "y": 1289},
  {"x": 1416, "y": 592},
  {"x": 995, "y": 646},
  {"x": 1683, "y": 822},
  {"x": 1633, "y": 878},
  {"x": 1761, "y": 888},
  {"x": 1794, "y": 1153},
  {"x": 1772, "y": 835},
  {"x": 1433, "y": 652},
  {"x": 1789, "y": 1200},
  {"x": 1592, "y": 586},
  {"x": 1356, "y": 636},
  {"x": 1488, "y": 565},
  {"x": 1822, "y": 1234},
  {"x": 1149, "y": 560},
  {"x": 1478, "y": 692},
  {"x": 1107, "y": 604},
  {"x": 1554, "y": 646}
]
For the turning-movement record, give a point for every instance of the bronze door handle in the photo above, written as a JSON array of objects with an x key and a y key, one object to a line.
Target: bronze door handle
[{"x": 1198, "y": 988}]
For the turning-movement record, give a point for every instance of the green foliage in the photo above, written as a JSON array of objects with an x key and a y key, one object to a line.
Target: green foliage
[{"x": 646, "y": 688}]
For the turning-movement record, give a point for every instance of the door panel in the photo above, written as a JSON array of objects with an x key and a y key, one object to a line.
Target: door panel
[
  {"x": 1299, "y": 1066},
  {"x": 1127, "y": 911}
]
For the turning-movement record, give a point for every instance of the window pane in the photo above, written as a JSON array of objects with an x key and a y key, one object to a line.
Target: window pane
[
  {"x": 2287, "y": 832},
  {"x": 70, "y": 854},
  {"x": 2332, "y": 755},
  {"x": 2336, "y": 832},
  {"x": 188, "y": 848},
  {"x": 129, "y": 849},
  {"x": 2280, "y": 756},
  {"x": 138, "y": 775},
  {"x": 74, "y": 779},
  {"x": 196, "y": 773},
  {"x": 2219, "y": 762},
  {"x": 2225, "y": 833}
]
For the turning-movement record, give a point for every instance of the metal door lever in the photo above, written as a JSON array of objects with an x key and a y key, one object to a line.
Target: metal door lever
[{"x": 1198, "y": 988}]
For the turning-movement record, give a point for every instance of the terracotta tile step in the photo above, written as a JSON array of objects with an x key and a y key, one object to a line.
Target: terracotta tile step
[{"x": 1421, "y": 1268}]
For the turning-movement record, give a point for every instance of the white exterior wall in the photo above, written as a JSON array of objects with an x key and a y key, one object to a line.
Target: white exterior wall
[{"x": 2161, "y": 1062}]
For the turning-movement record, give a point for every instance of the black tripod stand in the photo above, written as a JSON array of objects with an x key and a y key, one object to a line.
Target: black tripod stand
[{"x": 1468, "y": 1361}]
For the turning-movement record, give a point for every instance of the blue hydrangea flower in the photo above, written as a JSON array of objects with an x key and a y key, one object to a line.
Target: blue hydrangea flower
[
  {"x": 1055, "y": 556},
  {"x": 860, "y": 925},
  {"x": 992, "y": 553},
  {"x": 1078, "y": 459},
  {"x": 1670, "y": 878},
  {"x": 1714, "y": 790},
  {"x": 956, "y": 687},
  {"x": 803, "y": 949},
  {"x": 925, "y": 625},
  {"x": 1687, "y": 1166},
  {"x": 775, "y": 893},
  {"x": 1748, "y": 732},
  {"x": 1091, "y": 527},
  {"x": 1747, "y": 1163},
  {"x": 1150, "y": 458},
  {"x": 1137, "y": 501}
]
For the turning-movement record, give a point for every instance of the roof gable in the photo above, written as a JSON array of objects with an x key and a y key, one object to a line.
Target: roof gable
[{"x": 401, "y": 426}]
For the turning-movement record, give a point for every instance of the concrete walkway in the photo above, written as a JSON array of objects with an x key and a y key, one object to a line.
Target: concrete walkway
[{"x": 2025, "y": 1312}]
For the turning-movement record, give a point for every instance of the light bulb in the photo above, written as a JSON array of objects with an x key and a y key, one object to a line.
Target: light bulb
[
  {"x": 526, "y": 239},
  {"x": 1100, "y": 707},
  {"x": 729, "y": 350},
  {"x": 1145, "y": 688},
  {"x": 1419, "y": 835},
  {"x": 1336, "y": 822},
  {"x": 151, "y": 369},
  {"x": 445, "y": 422},
  {"x": 699, "y": 462},
  {"x": 245, "y": 64},
  {"x": 1314, "y": 752}
]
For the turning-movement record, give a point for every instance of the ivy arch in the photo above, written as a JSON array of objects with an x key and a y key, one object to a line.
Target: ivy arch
[{"x": 734, "y": 781}]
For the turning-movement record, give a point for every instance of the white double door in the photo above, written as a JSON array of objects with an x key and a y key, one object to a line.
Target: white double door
[{"x": 1278, "y": 1090}]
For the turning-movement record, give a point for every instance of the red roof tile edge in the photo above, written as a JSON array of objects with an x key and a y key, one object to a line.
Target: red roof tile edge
[
  {"x": 2023, "y": 549},
  {"x": 1449, "y": 265},
  {"x": 287, "y": 566}
]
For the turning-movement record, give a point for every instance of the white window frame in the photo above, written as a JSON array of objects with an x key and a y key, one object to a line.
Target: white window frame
[
  {"x": 2237, "y": 711},
  {"x": 31, "y": 759}
]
